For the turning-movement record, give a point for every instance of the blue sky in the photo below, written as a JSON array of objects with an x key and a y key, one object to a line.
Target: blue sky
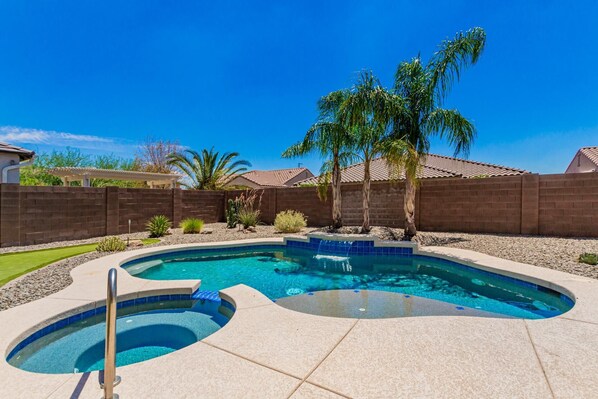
[{"x": 245, "y": 76}]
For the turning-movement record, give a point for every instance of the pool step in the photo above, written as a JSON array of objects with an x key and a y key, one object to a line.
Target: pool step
[{"x": 212, "y": 296}]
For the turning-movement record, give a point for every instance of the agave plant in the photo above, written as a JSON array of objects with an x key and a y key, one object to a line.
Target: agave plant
[{"x": 158, "y": 226}]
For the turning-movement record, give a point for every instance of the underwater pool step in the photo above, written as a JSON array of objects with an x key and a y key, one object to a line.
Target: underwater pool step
[
  {"x": 212, "y": 296},
  {"x": 372, "y": 304}
]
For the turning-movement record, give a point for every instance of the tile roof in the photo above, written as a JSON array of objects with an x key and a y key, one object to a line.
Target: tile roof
[
  {"x": 435, "y": 166},
  {"x": 591, "y": 153},
  {"x": 273, "y": 178},
  {"x": 22, "y": 152}
]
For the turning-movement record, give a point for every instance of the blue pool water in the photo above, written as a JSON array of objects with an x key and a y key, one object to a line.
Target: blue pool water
[
  {"x": 281, "y": 271},
  {"x": 143, "y": 332}
]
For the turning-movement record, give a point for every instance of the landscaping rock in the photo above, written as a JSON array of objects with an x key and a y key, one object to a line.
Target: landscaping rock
[{"x": 207, "y": 231}]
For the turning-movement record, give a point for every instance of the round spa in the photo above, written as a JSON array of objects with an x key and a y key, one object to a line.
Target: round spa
[{"x": 146, "y": 328}]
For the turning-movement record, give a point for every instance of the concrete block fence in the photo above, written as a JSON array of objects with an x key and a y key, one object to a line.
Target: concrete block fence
[{"x": 562, "y": 205}]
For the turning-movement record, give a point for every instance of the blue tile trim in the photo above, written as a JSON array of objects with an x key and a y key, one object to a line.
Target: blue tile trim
[{"x": 102, "y": 309}]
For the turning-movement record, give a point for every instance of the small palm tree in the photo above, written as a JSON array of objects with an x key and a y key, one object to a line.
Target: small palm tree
[
  {"x": 423, "y": 89},
  {"x": 333, "y": 141},
  {"x": 207, "y": 170},
  {"x": 367, "y": 110}
]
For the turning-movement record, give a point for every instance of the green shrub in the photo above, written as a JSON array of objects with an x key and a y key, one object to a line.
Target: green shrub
[
  {"x": 290, "y": 221},
  {"x": 158, "y": 226},
  {"x": 232, "y": 210},
  {"x": 191, "y": 226},
  {"x": 589, "y": 258},
  {"x": 247, "y": 205},
  {"x": 111, "y": 244},
  {"x": 249, "y": 217}
]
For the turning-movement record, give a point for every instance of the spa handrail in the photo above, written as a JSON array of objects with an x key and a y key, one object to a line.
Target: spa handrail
[{"x": 110, "y": 353}]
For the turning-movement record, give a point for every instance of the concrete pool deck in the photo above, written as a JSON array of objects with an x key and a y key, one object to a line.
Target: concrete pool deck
[{"x": 268, "y": 351}]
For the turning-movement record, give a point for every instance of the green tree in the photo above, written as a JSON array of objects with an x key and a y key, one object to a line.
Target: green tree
[
  {"x": 332, "y": 140},
  {"x": 207, "y": 170},
  {"x": 367, "y": 111},
  {"x": 37, "y": 174},
  {"x": 423, "y": 89},
  {"x": 112, "y": 161}
]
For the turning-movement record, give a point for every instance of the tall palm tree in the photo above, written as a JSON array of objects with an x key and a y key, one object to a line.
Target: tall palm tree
[
  {"x": 207, "y": 170},
  {"x": 423, "y": 89},
  {"x": 332, "y": 140},
  {"x": 367, "y": 111}
]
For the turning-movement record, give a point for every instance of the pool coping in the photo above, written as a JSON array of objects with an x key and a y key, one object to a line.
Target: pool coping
[{"x": 88, "y": 292}]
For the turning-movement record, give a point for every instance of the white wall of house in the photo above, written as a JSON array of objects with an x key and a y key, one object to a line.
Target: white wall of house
[
  {"x": 581, "y": 164},
  {"x": 7, "y": 159}
]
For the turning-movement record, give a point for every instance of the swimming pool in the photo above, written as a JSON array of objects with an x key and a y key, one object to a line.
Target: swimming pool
[
  {"x": 146, "y": 328},
  {"x": 297, "y": 268}
]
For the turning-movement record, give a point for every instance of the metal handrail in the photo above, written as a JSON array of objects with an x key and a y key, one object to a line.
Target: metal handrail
[{"x": 110, "y": 353}]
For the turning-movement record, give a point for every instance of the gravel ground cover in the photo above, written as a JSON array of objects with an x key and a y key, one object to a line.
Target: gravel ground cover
[{"x": 551, "y": 252}]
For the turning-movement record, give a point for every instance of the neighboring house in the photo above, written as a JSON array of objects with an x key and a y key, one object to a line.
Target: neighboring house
[
  {"x": 585, "y": 160},
  {"x": 12, "y": 158},
  {"x": 271, "y": 178},
  {"x": 435, "y": 166}
]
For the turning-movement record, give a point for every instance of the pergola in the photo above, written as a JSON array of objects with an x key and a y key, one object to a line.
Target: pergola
[{"x": 84, "y": 175}]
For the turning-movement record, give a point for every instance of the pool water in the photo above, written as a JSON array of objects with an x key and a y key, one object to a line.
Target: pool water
[
  {"x": 280, "y": 271},
  {"x": 143, "y": 332}
]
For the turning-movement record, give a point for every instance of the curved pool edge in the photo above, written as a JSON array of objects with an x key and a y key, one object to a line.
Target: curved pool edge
[
  {"x": 478, "y": 261},
  {"x": 88, "y": 288},
  {"x": 94, "y": 309}
]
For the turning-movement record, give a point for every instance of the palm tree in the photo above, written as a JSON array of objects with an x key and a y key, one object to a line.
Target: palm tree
[
  {"x": 367, "y": 111},
  {"x": 332, "y": 140},
  {"x": 207, "y": 170},
  {"x": 423, "y": 89}
]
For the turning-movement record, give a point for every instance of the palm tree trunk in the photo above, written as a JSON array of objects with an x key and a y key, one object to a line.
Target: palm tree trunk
[
  {"x": 365, "y": 227},
  {"x": 337, "y": 221},
  {"x": 409, "y": 207}
]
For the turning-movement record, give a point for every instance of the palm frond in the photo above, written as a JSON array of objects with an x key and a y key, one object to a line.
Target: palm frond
[
  {"x": 450, "y": 124},
  {"x": 446, "y": 63},
  {"x": 324, "y": 179},
  {"x": 207, "y": 170}
]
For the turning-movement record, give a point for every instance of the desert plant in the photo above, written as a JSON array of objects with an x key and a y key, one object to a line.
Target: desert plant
[
  {"x": 247, "y": 214},
  {"x": 232, "y": 210},
  {"x": 191, "y": 225},
  {"x": 290, "y": 221},
  {"x": 589, "y": 258},
  {"x": 111, "y": 244},
  {"x": 158, "y": 226},
  {"x": 248, "y": 217}
]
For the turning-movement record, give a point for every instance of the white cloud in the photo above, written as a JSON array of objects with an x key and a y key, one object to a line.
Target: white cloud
[{"x": 16, "y": 134}]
